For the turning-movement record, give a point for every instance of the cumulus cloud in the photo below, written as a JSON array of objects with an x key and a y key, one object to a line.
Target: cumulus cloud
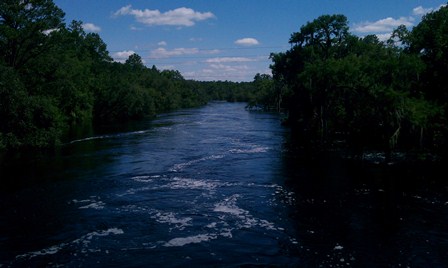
[
  {"x": 178, "y": 17},
  {"x": 122, "y": 56},
  {"x": 229, "y": 68},
  {"x": 420, "y": 11},
  {"x": 221, "y": 72},
  {"x": 247, "y": 42},
  {"x": 176, "y": 52},
  {"x": 384, "y": 37},
  {"x": 228, "y": 60},
  {"x": 165, "y": 53},
  {"x": 383, "y": 25},
  {"x": 90, "y": 27},
  {"x": 162, "y": 43}
]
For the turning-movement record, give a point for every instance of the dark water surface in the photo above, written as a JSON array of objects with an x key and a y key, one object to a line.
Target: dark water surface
[{"x": 216, "y": 186}]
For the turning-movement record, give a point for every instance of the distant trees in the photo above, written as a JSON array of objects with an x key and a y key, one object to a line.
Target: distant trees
[
  {"x": 54, "y": 77},
  {"x": 372, "y": 94},
  {"x": 332, "y": 85}
]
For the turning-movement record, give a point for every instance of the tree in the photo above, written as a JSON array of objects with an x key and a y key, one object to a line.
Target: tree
[
  {"x": 322, "y": 33},
  {"x": 265, "y": 95},
  {"x": 429, "y": 39},
  {"x": 356, "y": 89},
  {"x": 25, "y": 121},
  {"x": 135, "y": 62},
  {"x": 24, "y": 29}
]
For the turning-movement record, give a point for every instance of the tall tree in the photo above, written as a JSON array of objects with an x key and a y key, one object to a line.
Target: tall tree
[
  {"x": 357, "y": 89},
  {"x": 322, "y": 33},
  {"x": 24, "y": 26},
  {"x": 429, "y": 39},
  {"x": 135, "y": 62}
]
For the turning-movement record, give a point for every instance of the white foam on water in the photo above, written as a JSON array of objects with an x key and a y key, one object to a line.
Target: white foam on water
[
  {"x": 181, "y": 166},
  {"x": 193, "y": 184},
  {"x": 217, "y": 232},
  {"x": 100, "y": 137},
  {"x": 229, "y": 206},
  {"x": 90, "y": 138},
  {"x": 247, "y": 148},
  {"x": 251, "y": 150},
  {"x": 246, "y": 220},
  {"x": 133, "y": 191},
  {"x": 182, "y": 241},
  {"x": 212, "y": 225},
  {"x": 172, "y": 219},
  {"x": 145, "y": 178},
  {"x": 226, "y": 233},
  {"x": 92, "y": 203},
  {"x": 284, "y": 196},
  {"x": 83, "y": 240},
  {"x": 176, "y": 183}
]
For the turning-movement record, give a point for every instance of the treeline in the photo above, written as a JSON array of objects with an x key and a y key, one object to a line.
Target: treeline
[
  {"x": 335, "y": 86},
  {"x": 54, "y": 77}
]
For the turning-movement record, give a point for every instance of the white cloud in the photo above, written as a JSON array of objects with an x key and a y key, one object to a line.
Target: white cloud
[
  {"x": 229, "y": 68},
  {"x": 166, "y": 67},
  {"x": 176, "y": 52},
  {"x": 384, "y": 37},
  {"x": 165, "y": 53},
  {"x": 383, "y": 28},
  {"x": 90, "y": 27},
  {"x": 133, "y": 28},
  {"x": 221, "y": 72},
  {"x": 228, "y": 60},
  {"x": 178, "y": 17},
  {"x": 122, "y": 56},
  {"x": 48, "y": 32},
  {"x": 162, "y": 43},
  {"x": 211, "y": 51},
  {"x": 193, "y": 39},
  {"x": 383, "y": 25},
  {"x": 420, "y": 11},
  {"x": 247, "y": 42}
]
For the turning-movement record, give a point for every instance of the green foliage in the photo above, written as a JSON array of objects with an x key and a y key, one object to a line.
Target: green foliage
[
  {"x": 69, "y": 79},
  {"x": 267, "y": 94},
  {"x": 331, "y": 84},
  {"x": 429, "y": 40},
  {"x": 361, "y": 90},
  {"x": 27, "y": 121},
  {"x": 24, "y": 26}
]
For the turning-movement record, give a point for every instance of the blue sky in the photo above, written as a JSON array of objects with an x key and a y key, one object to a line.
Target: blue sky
[{"x": 226, "y": 39}]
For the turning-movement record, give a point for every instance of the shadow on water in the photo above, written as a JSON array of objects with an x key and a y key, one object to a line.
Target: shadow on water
[
  {"x": 368, "y": 214},
  {"x": 228, "y": 196}
]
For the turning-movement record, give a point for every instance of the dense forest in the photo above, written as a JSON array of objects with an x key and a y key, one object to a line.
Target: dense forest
[
  {"x": 337, "y": 87},
  {"x": 54, "y": 77},
  {"x": 333, "y": 86}
]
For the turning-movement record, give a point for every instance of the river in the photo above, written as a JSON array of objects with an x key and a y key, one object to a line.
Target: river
[{"x": 216, "y": 186}]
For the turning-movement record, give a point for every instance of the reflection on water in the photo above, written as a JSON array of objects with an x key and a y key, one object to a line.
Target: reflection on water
[{"x": 217, "y": 186}]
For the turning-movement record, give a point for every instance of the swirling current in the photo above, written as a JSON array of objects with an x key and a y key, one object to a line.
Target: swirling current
[{"x": 216, "y": 186}]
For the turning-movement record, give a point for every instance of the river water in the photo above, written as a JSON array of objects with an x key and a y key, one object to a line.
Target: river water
[{"x": 216, "y": 186}]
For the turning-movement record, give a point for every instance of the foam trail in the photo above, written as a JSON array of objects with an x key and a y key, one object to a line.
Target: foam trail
[
  {"x": 108, "y": 136},
  {"x": 83, "y": 240},
  {"x": 181, "y": 166}
]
